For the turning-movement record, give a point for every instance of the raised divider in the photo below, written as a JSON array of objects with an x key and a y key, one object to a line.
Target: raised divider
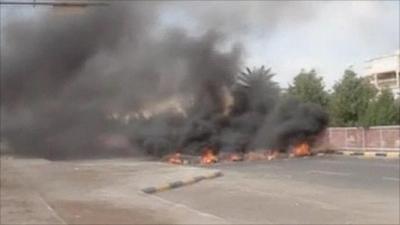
[
  {"x": 392, "y": 155},
  {"x": 176, "y": 184}
]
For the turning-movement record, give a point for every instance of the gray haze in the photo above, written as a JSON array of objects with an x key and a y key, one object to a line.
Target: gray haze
[{"x": 62, "y": 75}]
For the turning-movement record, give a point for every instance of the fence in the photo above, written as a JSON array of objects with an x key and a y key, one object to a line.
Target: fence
[{"x": 380, "y": 138}]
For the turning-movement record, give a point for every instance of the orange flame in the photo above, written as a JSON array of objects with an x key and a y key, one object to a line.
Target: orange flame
[
  {"x": 302, "y": 149},
  {"x": 208, "y": 157},
  {"x": 175, "y": 159}
]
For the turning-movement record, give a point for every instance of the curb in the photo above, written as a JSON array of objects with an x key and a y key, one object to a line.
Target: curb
[
  {"x": 391, "y": 155},
  {"x": 177, "y": 184}
]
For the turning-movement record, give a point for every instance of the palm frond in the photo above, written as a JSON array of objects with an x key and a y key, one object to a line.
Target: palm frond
[{"x": 254, "y": 77}]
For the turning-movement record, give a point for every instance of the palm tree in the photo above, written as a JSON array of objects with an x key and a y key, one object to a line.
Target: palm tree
[
  {"x": 251, "y": 78},
  {"x": 255, "y": 91}
]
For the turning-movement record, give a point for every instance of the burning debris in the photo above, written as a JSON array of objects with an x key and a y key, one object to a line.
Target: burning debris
[
  {"x": 208, "y": 156},
  {"x": 64, "y": 76},
  {"x": 302, "y": 149},
  {"x": 259, "y": 124},
  {"x": 175, "y": 159}
]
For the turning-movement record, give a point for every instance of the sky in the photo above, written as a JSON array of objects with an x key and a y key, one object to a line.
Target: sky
[{"x": 328, "y": 36}]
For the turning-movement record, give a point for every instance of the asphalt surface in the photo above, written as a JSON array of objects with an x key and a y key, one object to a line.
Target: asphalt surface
[
  {"x": 378, "y": 175},
  {"x": 319, "y": 190},
  {"x": 329, "y": 189}
]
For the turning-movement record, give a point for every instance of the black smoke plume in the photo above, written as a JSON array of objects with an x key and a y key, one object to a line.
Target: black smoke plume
[{"x": 69, "y": 83}]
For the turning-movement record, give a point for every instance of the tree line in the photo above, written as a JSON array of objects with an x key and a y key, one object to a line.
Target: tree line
[{"x": 353, "y": 100}]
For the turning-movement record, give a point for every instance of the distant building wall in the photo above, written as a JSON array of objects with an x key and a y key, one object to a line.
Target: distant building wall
[
  {"x": 384, "y": 72},
  {"x": 379, "y": 138}
]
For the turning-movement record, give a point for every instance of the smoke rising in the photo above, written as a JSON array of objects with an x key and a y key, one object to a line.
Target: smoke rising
[{"x": 63, "y": 76}]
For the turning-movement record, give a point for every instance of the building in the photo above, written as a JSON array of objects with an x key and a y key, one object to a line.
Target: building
[{"x": 384, "y": 72}]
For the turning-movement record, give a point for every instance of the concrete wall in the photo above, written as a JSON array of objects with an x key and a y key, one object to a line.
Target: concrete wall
[
  {"x": 380, "y": 138},
  {"x": 377, "y": 67}
]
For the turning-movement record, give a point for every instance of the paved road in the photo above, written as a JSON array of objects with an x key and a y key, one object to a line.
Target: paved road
[
  {"x": 378, "y": 175},
  {"x": 329, "y": 189}
]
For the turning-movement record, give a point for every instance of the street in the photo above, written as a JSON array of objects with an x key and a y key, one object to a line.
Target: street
[
  {"x": 192, "y": 112},
  {"x": 320, "y": 190}
]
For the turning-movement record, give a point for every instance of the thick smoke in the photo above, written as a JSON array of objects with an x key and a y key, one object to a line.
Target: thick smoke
[
  {"x": 63, "y": 77},
  {"x": 54, "y": 100}
]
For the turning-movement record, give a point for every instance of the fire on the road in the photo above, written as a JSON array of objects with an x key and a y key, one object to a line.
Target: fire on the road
[
  {"x": 302, "y": 149},
  {"x": 208, "y": 157},
  {"x": 175, "y": 158}
]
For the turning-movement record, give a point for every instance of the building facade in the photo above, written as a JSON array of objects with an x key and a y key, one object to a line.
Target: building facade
[{"x": 384, "y": 72}]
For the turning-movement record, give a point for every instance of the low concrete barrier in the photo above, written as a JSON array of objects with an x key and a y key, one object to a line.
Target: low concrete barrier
[
  {"x": 176, "y": 184},
  {"x": 390, "y": 155}
]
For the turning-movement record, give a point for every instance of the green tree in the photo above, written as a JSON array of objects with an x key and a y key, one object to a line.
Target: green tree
[
  {"x": 350, "y": 99},
  {"x": 308, "y": 87},
  {"x": 382, "y": 111},
  {"x": 255, "y": 91}
]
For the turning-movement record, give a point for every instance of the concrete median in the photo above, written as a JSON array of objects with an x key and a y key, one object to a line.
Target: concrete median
[
  {"x": 180, "y": 183},
  {"x": 391, "y": 155}
]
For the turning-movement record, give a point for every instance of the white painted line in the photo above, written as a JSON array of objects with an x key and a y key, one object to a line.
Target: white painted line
[
  {"x": 179, "y": 205},
  {"x": 36, "y": 194},
  {"x": 52, "y": 211},
  {"x": 251, "y": 190},
  {"x": 391, "y": 178},
  {"x": 328, "y": 173}
]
